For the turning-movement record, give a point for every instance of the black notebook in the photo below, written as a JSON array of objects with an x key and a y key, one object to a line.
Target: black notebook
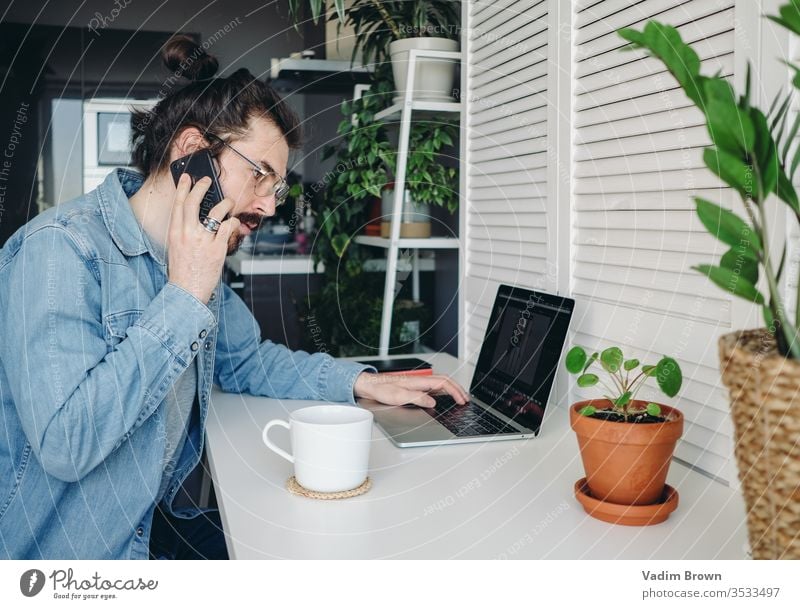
[{"x": 412, "y": 365}]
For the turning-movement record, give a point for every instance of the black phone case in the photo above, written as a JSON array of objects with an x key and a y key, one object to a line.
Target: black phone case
[{"x": 199, "y": 165}]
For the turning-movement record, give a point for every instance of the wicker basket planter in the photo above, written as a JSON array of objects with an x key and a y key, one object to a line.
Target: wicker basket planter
[{"x": 765, "y": 404}]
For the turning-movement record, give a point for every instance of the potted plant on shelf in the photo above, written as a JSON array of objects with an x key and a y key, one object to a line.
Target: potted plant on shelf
[
  {"x": 429, "y": 179},
  {"x": 754, "y": 153},
  {"x": 626, "y": 444},
  {"x": 389, "y": 30}
]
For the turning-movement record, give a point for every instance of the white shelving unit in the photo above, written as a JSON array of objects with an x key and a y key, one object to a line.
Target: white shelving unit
[{"x": 402, "y": 113}]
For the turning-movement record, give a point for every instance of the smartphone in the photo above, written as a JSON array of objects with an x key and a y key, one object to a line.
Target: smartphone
[{"x": 199, "y": 165}]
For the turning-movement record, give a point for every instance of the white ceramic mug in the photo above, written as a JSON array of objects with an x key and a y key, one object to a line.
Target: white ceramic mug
[{"x": 330, "y": 446}]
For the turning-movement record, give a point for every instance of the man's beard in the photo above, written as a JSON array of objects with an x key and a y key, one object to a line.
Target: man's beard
[{"x": 235, "y": 240}]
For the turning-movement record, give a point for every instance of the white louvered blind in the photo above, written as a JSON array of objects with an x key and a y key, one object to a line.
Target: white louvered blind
[
  {"x": 637, "y": 164},
  {"x": 506, "y": 158}
]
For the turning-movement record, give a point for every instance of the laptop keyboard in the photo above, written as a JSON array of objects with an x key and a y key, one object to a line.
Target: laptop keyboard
[{"x": 468, "y": 420}]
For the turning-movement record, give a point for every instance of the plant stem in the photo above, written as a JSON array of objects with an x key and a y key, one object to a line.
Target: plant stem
[
  {"x": 752, "y": 216},
  {"x": 775, "y": 299},
  {"x": 635, "y": 391},
  {"x": 617, "y": 384},
  {"x": 609, "y": 389}
]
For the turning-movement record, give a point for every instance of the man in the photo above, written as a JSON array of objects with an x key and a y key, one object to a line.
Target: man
[{"x": 115, "y": 326}]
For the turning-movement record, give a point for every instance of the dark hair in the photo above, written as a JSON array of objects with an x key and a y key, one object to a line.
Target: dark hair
[{"x": 222, "y": 106}]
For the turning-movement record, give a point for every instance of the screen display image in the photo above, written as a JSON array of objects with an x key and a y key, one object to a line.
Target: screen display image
[{"x": 519, "y": 357}]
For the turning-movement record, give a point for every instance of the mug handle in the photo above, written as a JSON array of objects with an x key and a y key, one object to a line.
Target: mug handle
[{"x": 269, "y": 443}]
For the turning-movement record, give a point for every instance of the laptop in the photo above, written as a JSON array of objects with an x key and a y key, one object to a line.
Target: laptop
[{"x": 511, "y": 384}]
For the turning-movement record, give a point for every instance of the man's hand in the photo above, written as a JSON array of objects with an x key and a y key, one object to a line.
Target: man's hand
[
  {"x": 397, "y": 389},
  {"x": 194, "y": 255}
]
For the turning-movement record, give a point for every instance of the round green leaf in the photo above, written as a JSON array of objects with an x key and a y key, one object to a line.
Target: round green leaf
[
  {"x": 649, "y": 370},
  {"x": 653, "y": 409},
  {"x": 576, "y": 358},
  {"x": 668, "y": 376},
  {"x": 587, "y": 411},
  {"x": 588, "y": 380},
  {"x": 630, "y": 364},
  {"x": 611, "y": 359}
]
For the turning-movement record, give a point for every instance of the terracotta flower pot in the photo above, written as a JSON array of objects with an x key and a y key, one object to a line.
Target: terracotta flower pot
[{"x": 626, "y": 463}]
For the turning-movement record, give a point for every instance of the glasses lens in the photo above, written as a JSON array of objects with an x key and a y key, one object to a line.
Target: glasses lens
[
  {"x": 281, "y": 190},
  {"x": 272, "y": 185}
]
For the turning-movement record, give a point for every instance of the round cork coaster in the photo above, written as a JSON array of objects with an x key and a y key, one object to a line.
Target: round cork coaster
[{"x": 295, "y": 488}]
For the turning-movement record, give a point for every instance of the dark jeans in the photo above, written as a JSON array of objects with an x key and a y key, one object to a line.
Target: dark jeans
[{"x": 200, "y": 538}]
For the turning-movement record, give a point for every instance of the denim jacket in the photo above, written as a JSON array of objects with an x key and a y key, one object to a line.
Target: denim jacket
[{"x": 92, "y": 336}]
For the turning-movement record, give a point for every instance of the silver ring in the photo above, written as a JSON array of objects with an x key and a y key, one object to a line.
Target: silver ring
[{"x": 211, "y": 225}]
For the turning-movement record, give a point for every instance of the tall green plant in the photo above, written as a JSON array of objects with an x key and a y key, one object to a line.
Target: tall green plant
[{"x": 752, "y": 153}]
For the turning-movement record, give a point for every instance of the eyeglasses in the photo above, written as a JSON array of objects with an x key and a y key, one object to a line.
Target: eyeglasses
[{"x": 266, "y": 182}]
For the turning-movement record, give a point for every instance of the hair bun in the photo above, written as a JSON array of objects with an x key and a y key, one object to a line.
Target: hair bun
[{"x": 184, "y": 57}]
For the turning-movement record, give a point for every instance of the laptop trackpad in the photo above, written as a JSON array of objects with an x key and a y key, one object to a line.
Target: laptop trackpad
[{"x": 409, "y": 424}]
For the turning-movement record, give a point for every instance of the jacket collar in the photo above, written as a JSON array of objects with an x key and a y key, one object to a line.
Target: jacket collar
[{"x": 122, "y": 225}]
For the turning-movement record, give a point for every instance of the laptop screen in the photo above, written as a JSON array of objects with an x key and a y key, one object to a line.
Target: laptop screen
[{"x": 520, "y": 353}]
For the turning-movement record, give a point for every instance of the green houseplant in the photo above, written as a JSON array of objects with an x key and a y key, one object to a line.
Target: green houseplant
[
  {"x": 344, "y": 317},
  {"x": 753, "y": 152},
  {"x": 386, "y": 31},
  {"x": 626, "y": 444}
]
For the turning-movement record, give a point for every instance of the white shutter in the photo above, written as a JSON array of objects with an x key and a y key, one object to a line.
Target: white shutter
[
  {"x": 505, "y": 162},
  {"x": 637, "y": 152}
]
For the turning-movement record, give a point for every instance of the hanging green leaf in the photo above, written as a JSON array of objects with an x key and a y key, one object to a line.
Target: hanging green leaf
[
  {"x": 587, "y": 410},
  {"x": 728, "y": 227},
  {"x": 664, "y": 42},
  {"x": 731, "y": 282},
  {"x": 786, "y": 192},
  {"x": 765, "y": 152},
  {"x": 729, "y": 127},
  {"x": 738, "y": 260},
  {"x": 731, "y": 170},
  {"x": 789, "y": 17}
]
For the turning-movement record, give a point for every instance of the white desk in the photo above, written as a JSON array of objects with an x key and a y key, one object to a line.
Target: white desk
[{"x": 509, "y": 499}]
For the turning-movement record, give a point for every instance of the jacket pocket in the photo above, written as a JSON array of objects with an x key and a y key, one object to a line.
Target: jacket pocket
[{"x": 115, "y": 325}]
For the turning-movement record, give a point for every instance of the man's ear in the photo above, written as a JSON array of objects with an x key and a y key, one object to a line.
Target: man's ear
[{"x": 189, "y": 139}]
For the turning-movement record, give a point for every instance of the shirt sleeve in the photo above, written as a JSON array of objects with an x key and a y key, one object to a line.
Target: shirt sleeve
[
  {"x": 79, "y": 394},
  {"x": 244, "y": 364}
]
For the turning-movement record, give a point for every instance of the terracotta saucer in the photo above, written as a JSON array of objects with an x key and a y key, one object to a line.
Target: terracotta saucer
[{"x": 631, "y": 515}]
